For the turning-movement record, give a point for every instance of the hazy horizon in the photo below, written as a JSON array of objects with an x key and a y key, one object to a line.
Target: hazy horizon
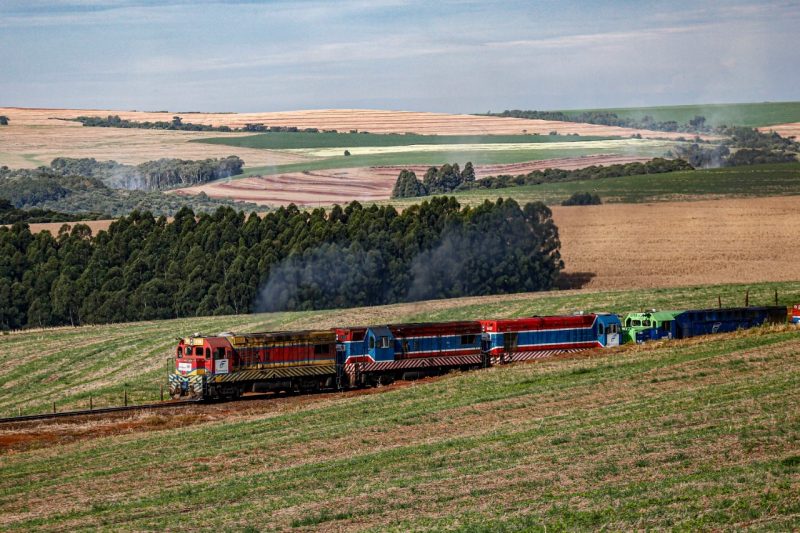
[{"x": 456, "y": 56}]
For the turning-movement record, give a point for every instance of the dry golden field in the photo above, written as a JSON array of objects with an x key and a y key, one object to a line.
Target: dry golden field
[
  {"x": 36, "y": 136},
  {"x": 666, "y": 244},
  {"x": 324, "y": 187}
]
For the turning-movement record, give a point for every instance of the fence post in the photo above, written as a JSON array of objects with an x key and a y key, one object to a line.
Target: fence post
[
  {"x": 54, "y": 406},
  {"x": 719, "y": 301},
  {"x": 747, "y": 298},
  {"x": 126, "y": 397},
  {"x": 776, "y": 296},
  {"x": 91, "y": 403},
  {"x": 162, "y": 391}
]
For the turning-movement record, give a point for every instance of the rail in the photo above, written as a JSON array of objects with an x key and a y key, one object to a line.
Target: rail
[{"x": 100, "y": 410}]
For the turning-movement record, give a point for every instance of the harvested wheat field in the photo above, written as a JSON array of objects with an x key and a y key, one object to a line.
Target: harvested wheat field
[
  {"x": 324, "y": 187},
  {"x": 668, "y": 244},
  {"x": 34, "y": 138},
  {"x": 682, "y": 243},
  {"x": 791, "y": 129}
]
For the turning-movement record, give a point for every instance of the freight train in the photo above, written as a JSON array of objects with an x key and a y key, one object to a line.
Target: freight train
[{"x": 227, "y": 365}]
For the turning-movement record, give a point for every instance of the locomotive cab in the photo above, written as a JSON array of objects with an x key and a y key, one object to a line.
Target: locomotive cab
[
  {"x": 796, "y": 314},
  {"x": 609, "y": 329}
]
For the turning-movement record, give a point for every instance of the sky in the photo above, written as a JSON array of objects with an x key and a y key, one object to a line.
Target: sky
[{"x": 448, "y": 55}]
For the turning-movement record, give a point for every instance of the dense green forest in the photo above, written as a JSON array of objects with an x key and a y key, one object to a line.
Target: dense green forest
[
  {"x": 696, "y": 124},
  {"x": 449, "y": 178},
  {"x": 226, "y": 262},
  {"x": 56, "y": 189}
]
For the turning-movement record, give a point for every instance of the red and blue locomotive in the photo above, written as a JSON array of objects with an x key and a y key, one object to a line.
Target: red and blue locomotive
[{"x": 228, "y": 365}]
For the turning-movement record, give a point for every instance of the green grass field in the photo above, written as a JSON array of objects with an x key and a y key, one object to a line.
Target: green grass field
[
  {"x": 68, "y": 365},
  {"x": 461, "y": 157},
  {"x": 749, "y": 114},
  {"x": 688, "y": 435},
  {"x": 739, "y": 182},
  {"x": 298, "y": 140}
]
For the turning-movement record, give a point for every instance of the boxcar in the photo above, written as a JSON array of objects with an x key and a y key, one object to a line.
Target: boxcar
[
  {"x": 228, "y": 365},
  {"x": 535, "y": 337},
  {"x": 380, "y": 354},
  {"x": 707, "y": 321}
]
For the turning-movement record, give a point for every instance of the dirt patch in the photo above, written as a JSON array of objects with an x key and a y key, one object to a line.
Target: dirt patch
[
  {"x": 790, "y": 129},
  {"x": 325, "y": 187}
]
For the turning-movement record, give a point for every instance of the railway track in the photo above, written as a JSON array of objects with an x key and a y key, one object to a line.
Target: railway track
[{"x": 98, "y": 411}]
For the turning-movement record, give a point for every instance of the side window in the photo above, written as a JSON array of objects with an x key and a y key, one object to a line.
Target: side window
[
  {"x": 628, "y": 322},
  {"x": 467, "y": 339},
  {"x": 384, "y": 342},
  {"x": 198, "y": 351},
  {"x": 646, "y": 323},
  {"x": 220, "y": 353},
  {"x": 321, "y": 349},
  {"x": 371, "y": 343},
  {"x": 180, "y": 351},
  {"x": 208, "y": 353},
  {"x": 601, "y": 329}
]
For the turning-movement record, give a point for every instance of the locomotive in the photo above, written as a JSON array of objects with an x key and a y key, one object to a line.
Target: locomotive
[{"x": 228, "y": 365}]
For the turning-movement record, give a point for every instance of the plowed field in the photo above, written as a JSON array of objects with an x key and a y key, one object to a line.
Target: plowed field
[{"x": 325, "y": 187}]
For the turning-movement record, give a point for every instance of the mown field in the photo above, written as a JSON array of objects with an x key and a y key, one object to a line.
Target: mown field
[
  {"x": 781, "y": 179},
  {"x": 747, "y": 114},
  {"x": 70, "y": 365},
  {"x": 699, "y": 434}
]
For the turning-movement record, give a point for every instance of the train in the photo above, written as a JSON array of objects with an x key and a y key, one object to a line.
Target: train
[{"x": 228, "y": 365}]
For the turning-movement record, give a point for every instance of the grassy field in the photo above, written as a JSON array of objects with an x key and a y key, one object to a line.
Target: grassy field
[
  {"x": 286, "y": 141},
  {"x": 749, "y": 114},
  {"x": 738, "y": 182},
  {"x": 461, "y": 156},
  {"x": 699, "y": 434},
  {"x": 68, "y": 365}
]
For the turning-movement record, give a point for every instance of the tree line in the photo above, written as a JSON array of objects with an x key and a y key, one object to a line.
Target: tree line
[
  {"x": 177, "y": 124},
  {"x": 152, "y": 175},
  {"x": 227, "y": 262},
  {"x": 66, "y": 190},
  {"x": 449, "y": 178},
  {"x": 606, "y": 118},
  {"x": 743, "y": 146},
  {"x": 11, "y": 215}
]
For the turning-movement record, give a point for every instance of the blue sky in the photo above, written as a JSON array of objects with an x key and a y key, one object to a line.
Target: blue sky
[{"x": 452, "y": 56}]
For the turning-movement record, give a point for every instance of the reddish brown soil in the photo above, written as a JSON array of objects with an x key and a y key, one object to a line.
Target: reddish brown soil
[
  {"x": 325, "y": 187},
  {"x": 790, "y": 129}
]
